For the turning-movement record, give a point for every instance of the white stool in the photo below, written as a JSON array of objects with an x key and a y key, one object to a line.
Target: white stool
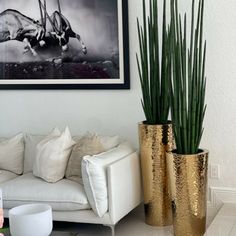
[{"x": 31, "y": 220}]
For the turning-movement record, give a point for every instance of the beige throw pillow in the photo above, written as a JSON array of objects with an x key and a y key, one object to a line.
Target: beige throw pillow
[
  {"x": 52, "y": 156},
  {"x": 12, "y": 154},
  {"x": 89, "y": 144}
]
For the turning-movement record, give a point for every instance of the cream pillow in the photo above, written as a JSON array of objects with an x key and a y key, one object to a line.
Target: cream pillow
[
  {"x": 52, "y": 156},
  {"x": 12, "y": 154},
  {"x": 31, "y": 142},
  {"x": 94, "y": 176},
  {"x": 89, "y": 144}
]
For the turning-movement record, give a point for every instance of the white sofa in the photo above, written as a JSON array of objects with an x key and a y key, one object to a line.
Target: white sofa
[{"x": 68, "y": 198}]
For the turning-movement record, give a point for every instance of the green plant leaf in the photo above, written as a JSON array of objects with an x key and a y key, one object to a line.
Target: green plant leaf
[
  {"x": 188, "y": 82},
  {"x": 154, "y": 72}
]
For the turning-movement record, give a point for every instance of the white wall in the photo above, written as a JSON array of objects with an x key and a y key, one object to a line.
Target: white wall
[
  {"x": 107, "y": 112},
  {"x": 112, "y": 112},
  {"x": 220, "y": 124}
]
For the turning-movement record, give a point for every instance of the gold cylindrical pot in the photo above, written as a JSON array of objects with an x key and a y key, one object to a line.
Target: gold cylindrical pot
[
  {"x": 155, "y": 141},
  {"x": 188, "y": 185}
]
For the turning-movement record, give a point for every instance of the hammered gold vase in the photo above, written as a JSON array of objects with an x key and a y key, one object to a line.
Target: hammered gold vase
[
  {"x": 188, "y": 185},
  {"x": 155, "y": 141}
]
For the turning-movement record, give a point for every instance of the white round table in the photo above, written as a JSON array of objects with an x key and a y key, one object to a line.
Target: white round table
[{"x": 31, "y": 220}]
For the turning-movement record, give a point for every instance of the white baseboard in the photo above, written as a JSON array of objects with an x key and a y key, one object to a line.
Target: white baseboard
[{"x": 219, "y": 196}]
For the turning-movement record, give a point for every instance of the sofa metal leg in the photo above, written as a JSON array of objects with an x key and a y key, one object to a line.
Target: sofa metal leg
[{"x": 112, "y": 227}]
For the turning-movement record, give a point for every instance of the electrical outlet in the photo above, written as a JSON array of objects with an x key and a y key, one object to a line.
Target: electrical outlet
[{"x": 215, "y": 172}]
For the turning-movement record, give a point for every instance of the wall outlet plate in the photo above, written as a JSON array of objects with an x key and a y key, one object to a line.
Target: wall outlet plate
[{"x": 215, "y": 171}]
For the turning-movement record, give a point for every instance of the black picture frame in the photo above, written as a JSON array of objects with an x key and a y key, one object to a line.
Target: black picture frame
[{"x": 123, "y": 82}]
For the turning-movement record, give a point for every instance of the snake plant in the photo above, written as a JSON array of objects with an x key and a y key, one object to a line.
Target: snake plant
[
  {"x": 154, "y": 65},
  {"x": 188, "y": 79}
]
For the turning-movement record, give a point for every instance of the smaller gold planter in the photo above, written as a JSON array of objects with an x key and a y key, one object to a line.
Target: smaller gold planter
[
  {"x": 188, "y": 186},
  {"x": 155, "y": 141}
]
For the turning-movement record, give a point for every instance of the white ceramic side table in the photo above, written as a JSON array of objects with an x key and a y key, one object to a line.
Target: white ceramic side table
[{"x": 31, "y": 219}]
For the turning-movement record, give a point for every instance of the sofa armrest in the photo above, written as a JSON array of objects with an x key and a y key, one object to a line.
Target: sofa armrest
[{"x": 124, "y": 186}]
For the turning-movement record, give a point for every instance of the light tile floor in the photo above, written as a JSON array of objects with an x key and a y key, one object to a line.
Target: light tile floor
[
  {"x": 224, "y": 223},
  {"x": 133, "y": 224}
]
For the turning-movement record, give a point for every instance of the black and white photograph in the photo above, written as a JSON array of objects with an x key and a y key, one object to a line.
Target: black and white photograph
[{"x": 47, "y": 44}]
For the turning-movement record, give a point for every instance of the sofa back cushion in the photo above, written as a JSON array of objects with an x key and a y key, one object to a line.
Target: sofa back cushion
[
  {"x": 94, "y": 176},
  {"x": 31, "y": 142},
  {"x": 52, "y": 156},
  {"x": 12, "y": 154},
  {"x": 89, "y": 144}
]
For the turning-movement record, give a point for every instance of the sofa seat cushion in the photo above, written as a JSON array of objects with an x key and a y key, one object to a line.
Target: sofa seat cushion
[
  {"x": 64, "y": 195},
  {"x": 6, "y": 176}
]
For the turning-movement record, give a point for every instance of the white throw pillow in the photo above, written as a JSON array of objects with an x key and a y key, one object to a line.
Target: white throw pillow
[
  {"x": 89, "y": 144},
  {"x": 52, "y": 156},
  {"x": 12, "y": 154},
  {"x": 31, "y": 142},
  {"x": 94, "y": 176}
]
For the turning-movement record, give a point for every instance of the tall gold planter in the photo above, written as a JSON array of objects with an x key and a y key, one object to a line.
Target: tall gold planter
[
  {"x": 188, "y": 186},
  {"x": 155, "y": 140}
]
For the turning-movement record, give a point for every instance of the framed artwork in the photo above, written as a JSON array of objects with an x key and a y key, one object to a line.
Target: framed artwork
[{"x": 64, "y": 44}]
